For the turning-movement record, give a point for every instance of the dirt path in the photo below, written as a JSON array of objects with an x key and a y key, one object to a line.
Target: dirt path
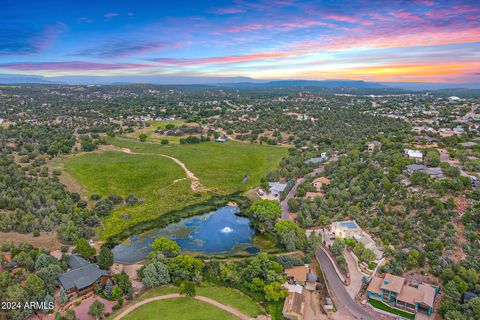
[
  {"x": 215, "y": 303},
  {"x": 196, "y": 184}
]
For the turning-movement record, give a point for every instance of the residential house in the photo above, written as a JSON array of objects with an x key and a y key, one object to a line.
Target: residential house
[
  {"x": 416, "y": 155},
  {"x": 350, "y": 229},
  {"x": 415, "y": 167},
  {"x": 314, "y": 195},
  {"x": 323, "y": 157},
  {"x": 468, "y": 144},
  {"x": 426, "y": 139},
  {"x": 346, "y": 229},
  {"x": 373, "y": 145},
  {"x": 297, "y": 275},
  {"x": 467, "y": 296},
  {"x": 293, "y": 308},
  {"x": 392, "y": 290},
  {"x": 275, "y": 189},
  {"x": 83, "y": 276},
  {"x": 433, "y": 172},
  {"x": 319, "y": 182}
]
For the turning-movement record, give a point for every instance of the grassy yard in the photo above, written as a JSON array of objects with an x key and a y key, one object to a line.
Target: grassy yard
[
  {"x": 224, "y": 295},
  {"x": 179, "y": 309},
  {"x": 161, "y": 182},
  {"x": 148, "y": 177},
  {"x": 220, "y": 166},
  {"x": 382, "y": 306}
]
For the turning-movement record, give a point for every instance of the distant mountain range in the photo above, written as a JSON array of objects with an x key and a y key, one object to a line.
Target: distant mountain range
[{"x": 229, "y": 82}]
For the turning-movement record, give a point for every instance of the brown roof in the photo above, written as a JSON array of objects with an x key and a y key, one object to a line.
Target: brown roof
[
  {"x": 293, "y": 304},
  {"x": 298, "y": 273},
  {"x": 410, "y": 295},
  {"x": 375, "y": 285},
  {"x": 322, "y": 180},
  {"x": 428, "y": 294},
  {"x": 312, "y": 195},
  {"x": 393, "y": 283}
]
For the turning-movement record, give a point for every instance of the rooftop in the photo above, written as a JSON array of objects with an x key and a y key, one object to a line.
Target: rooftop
[
  {"x": 81, "y": 277},
  {"x": 276, "y": 187},
  {"x": 349, "y": 224},
  {"x": 298, "y": 273},
  {"x": 322, "y": 180},
  {"x": 393, "y": 283}
]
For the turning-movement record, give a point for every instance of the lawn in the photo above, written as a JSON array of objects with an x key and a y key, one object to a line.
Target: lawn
[
  {"x": 148, "y": 177},
  {"x": 161, "y": 182},
  {"x": 179, "y": 309},
  {"x": 382, "y": 306},
  {"x": 220, "y": 166},
  {"x": 224, "y": 295}
]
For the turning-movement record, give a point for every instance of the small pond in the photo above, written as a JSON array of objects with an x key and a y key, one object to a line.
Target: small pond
[{"x": 217, "y": 232}]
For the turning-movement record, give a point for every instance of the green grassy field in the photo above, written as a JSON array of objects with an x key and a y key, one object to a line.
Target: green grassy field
[
  {"x": 224, "y": 295},
  {"x": 179, "y": 309},
  {"x": 148, "y": 177},
  {"x": 220, "y": 168}
]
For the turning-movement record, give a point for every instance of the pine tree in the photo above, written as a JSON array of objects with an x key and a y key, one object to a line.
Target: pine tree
[
  {"x": 108, "y": 288},
  {"x": 62, "y": 296}
]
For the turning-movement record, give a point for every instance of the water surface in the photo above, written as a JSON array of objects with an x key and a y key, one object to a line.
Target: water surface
[{"x": 217, "y": 232}]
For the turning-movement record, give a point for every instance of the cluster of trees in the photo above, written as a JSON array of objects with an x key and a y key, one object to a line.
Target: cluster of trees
[
  {"x": 458, "y": 280},
  {"x": 164, "y": 265},
  {"x": 194, "y": 139},
  {"x": 31, "y": 275},
  {"x": 260, "y": 277}
]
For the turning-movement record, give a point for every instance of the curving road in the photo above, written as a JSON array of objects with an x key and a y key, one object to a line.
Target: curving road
[
  {"x": 344, "y": 300},
  {"x": 293, "y": 192}
]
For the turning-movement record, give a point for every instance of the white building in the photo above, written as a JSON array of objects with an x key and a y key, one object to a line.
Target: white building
[
  {"x": 416, "y": 155},
  {"x": 275, "y": 188},
  {"x": 346, "y": 229}
]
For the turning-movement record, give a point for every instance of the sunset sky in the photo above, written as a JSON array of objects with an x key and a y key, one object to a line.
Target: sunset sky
[{"x": 422, "y": 40}]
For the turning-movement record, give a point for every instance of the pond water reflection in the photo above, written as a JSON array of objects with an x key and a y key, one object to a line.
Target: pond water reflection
[{"x": 220, "y": 231}]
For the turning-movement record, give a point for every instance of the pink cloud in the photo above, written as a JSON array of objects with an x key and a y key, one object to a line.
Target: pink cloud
[
  {"x": 404, "y": 15},
  {"x": 340, "y": 17},
  {"x": 72, "y": 65},
  {"x": 49, "y": 35},
  {"x": 226, "y": 59}
]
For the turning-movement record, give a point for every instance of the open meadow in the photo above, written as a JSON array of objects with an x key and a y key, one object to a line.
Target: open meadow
[
  {"x": 226, "y": 296},
  {"x": 161, "y": 182},
  {"x": 179, "y": 309}
]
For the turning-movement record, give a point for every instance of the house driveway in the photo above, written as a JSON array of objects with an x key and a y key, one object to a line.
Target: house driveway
[
  {"x": 82, "y": 310},
  {"x": 355, "y": 275},
  {"x": 312, "y": 309}
]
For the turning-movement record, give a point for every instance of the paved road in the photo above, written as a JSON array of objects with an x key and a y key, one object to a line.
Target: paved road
[
  {"x": 284, "y": 204},
  {"x": 343, "y": 299}
]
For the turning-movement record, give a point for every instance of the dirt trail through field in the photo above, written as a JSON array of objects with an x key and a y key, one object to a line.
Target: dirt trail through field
[
  {"x": 215, "y": 303},
  {"x": 196, "y": 184}
]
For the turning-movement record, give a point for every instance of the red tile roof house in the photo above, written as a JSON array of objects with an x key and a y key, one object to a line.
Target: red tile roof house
[{"x": 393, "y": 291}]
